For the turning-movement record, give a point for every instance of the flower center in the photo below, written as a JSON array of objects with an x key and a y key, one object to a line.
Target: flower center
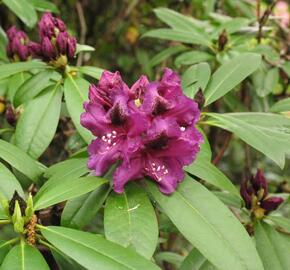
[
  {"x": 160, "y": 142},
  {"x": 157, "y": 171},
  {"x": 110, "y": 139}
]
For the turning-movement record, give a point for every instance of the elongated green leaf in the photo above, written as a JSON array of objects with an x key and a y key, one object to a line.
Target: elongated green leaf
[
  {"x": 280, "y": 221},
  {"x": 281, "y": 106},
  {"x": 43, "y": 5},
  {"x": 177, "y": 20},
  {"x": 163, "y": 55},
  {"x": 80, "y": 211},
  {"x": 194, "y": 78},
  {"x": 24, "y": 10},
  {"x": 20, "y": 160},
  {"x": 15, "y": 82},
  {"x": 271, "y": 247},
  {"x": 64, "y": 262},
  {"x": 230, "y": 74},
  {"x": 37, "y": 125},
  {"x": 3, "y": 250},
  {"x": 8, "y": 183},
  {"x": 13, "y": 68},
  {"x": 169, "y": 257},
  {"x": 84, "y": 48},
  {"x": 94, "y": 72},
  {"x": 192, "y": 57},
  {"x": 269, "y": 133},
  {"x": 209, "y": 225},
  {"x": 178, "y": 35},
  {"x": 24, "y": 257},
  {"x": 94, "y": 252},
  {"x": 195, "y": 261},
  {"x": 130, "y": 220},
  {"x": 76, "y": 93},
  {"x": 33, "y": 86},
  {"x": 69, "y": 188},
  {"x": 205, "y": 170}
]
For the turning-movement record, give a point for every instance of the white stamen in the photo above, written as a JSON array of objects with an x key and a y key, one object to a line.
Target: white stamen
[{"x": 182, "y": 128}]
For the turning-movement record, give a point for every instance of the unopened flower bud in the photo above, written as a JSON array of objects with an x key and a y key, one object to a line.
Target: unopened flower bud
[
  {"x": 223, "y": 40},
  {"x": 199, "y": 98},
  {"x": 10, "y": 115},
  {"x": 17, "y": 219},
  {"x": 271, "y": 203},
  {"x": 71, "y": 47},
  {"x": 48, "y": 49}
]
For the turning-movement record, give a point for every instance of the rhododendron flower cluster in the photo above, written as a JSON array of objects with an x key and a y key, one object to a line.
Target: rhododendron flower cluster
[
  {"x": 18, "y": 45},
  {"x": 55, "y": 42},
  {"x": 148, "y": 129},
  {"x": 256, "y": 196}
]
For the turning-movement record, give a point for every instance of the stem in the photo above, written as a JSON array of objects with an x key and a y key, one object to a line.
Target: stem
[
  {"x": 4, "y": 130},
  {"x": 225, "y": 146},
  {"x": 12, "y": 241},
  {"x": 5, "y": 222}
]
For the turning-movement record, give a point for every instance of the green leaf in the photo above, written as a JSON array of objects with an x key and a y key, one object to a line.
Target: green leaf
[
  {"x": 8, "y": 183},
  {"x": 3, "y": 250},
  {"x": 208, "y": 225},
  {"x": 265, "y": 83},
  {"x": 280, "y": 221},
  {"x": 195, "y": 260},
  {"x": 169, "y": 257},
  {"x": 268, "y": 133},
  {"x": 271, "y": 247},
  {"x": 178, "y": 35},
  {"x": 286, "y": 67},
  {"x": 84, "y": 48},
  {"x": 33, "y": 86},
  {"x": 20, "y": 160},
  {"x": 15, "y": 82},
  {"x": 177, "y": 20},
  {"x": 94, "y": 72},
  {"x": 163, "y": 55},
  {"x": 24, "y": 257},
  {"x": 229, "y": 199},
  {"x": 23, "y": 10},
  {"x": 205, "y": 170},
  {"x": 76, "y": 93},
  {"x": 64, "y": 262},
  {"x": 7, "y": 70},
  {"x": 194, "y": 78},
  {"x": 94, "y": 252},
  {"x": 80, "y": 211},
  {"x": 43, "y": 5},
  {"x": 37, "y": 125},
  {"x": 130, "y": 220},
  {"x": 69, "y": 188},
  {"x": 281, "y": 106},
  {"x": 230, "y": 74},
  {"x": 192, "y": 57}
]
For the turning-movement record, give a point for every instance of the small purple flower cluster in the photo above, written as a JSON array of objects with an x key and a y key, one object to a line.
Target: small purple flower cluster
[
  {"x": 256, "y": 196},
  {"x": 55, "y": 45},
  {"x": 149, "y": 129},
  {"x": 18, "y": 45}
]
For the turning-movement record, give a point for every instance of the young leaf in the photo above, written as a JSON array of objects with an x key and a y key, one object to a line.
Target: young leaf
[
  {"x": 130, "y": 220},
  {"x": 271, "y": 247},
  {"x": 24, "y": 257},
  {"x": 8, "y": 183},
  {"x": 267, "y": 132},
  {"x": 43, "y": 5},
  {"x": 7, "y": 70},
  {"x": 37, "y": 125},
  {"x": 4, "y": 249},
  {"x": 280, "y": 221},
  {"x": 94, "y": 72},
  {"x": 163, "y": 55},
  {"x": 281, "y": 106},
  {"x": 94, "y": 252},
  {"x": 209, "y": 225},
  {"x": 15, "y": 82},
  {"x": 192, "y": 57},
  {"x": 230, "y": 74},
  {"x": 84, "y": 48},
  {"x": 184, "y": 36},
  {"x": 33, "y": 86},
  {"x": 194, "y": 78},
  {"x": 20, "y": 160},
  {"x": 24, "y": 10},
  {"x": 76, "y": 93},
  {"x": 69, "y": 188}
]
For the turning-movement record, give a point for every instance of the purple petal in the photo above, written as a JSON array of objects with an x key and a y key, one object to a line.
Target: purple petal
[
  {"x": 271, "y": 203},
  {"x": 245, "y": 194},
  {"x": 259, "y": 182},
  {"x": 62, "y": 42}
]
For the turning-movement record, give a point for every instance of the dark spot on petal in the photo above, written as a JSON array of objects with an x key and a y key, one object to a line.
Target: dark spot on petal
[
  {"x": 159, "y": 107},
  {"x": 158, "y": 143},
  {"x": 118, "y": 116}
]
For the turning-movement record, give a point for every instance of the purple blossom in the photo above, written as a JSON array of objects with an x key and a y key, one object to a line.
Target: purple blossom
[
  {"x": 55, "y": 42},
  {"x": 17, "y": 48},
  {"x": 141, "y": 127},
  {"x": 255, "y": 194}
]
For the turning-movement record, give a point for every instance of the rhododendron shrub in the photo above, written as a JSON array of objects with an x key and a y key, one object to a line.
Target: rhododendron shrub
[{"x": 172, "y": 154}]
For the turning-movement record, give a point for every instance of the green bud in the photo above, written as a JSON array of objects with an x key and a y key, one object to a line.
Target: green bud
[
  {"x": 17, "y": 219},
  {"x": 29, "y": 211}
]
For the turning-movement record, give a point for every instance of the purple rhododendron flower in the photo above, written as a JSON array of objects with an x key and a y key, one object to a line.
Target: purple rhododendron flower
[
  {"x": 54, "y": 40},
  {"x": 18, "y": 42},
  {"x": 255, "y": 194},
  {"x": 148, "y": 128}
]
